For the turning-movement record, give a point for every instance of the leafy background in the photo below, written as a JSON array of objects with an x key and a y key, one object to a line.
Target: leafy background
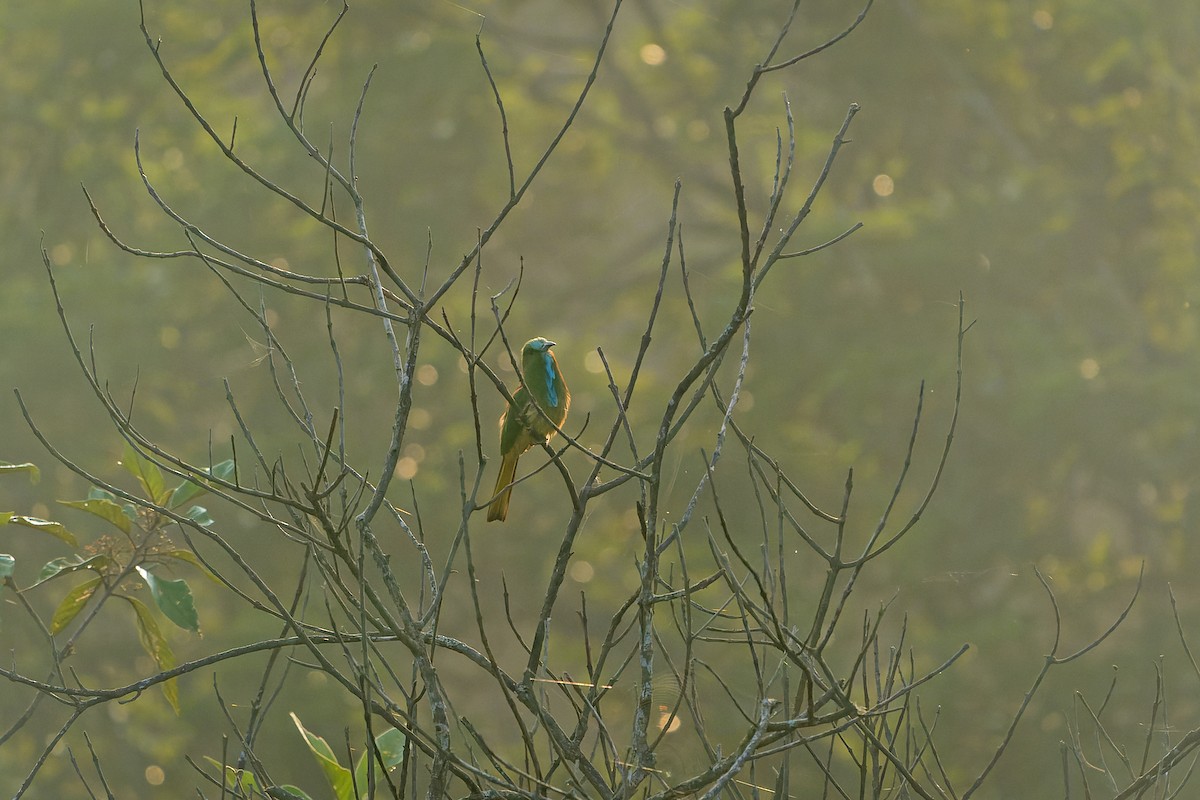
[{"x": 1042, "y": 158}]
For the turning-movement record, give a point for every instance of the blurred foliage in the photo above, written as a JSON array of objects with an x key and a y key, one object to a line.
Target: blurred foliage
[{"x": 1039, "y": 157}]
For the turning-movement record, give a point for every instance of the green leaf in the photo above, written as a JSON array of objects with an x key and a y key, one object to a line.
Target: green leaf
[
  {"x": 96, "y": 493},
  {"x": 147, "y": 473},
  {"x": 184, "y": 492},
  {"x": 72, "y": 603},
  {"x": 199, "y": 515},
  {"x": 237, "y": 779},
  {"x": 390, "y": 744},
  {"x": 190, "y": 557},
  {"x": 156, "y": 646},
  {"x": 55, "y": 529},
  {"x": 65, "y": 565},
  {"x": 35, "y": 474},
  {"x": 104, "y": 509},
  {"x": 338, "y": 776},
  {"x": 174, "y": 599},
  {"x": 191, "y": 489},
  {"x": 223, "y": 470}
]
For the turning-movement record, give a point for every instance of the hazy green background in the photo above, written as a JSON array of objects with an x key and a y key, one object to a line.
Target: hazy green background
[{"x": 1045, "y": 159}]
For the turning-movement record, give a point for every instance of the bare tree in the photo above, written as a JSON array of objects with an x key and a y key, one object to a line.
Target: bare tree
[{"x": 711, "y": 635}]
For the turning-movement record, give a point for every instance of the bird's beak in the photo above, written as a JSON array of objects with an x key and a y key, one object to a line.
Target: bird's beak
[{"x": 550, "y": 344}]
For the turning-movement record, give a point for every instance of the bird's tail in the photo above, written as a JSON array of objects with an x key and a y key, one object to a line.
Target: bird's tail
[{"x": 498, "y": 509}]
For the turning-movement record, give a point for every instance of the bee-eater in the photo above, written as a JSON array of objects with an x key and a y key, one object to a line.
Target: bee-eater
[{"x": 522, "y": 425}]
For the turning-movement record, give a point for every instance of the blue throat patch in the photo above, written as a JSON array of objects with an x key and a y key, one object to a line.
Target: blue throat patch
[{"x": 548, "y": 362}]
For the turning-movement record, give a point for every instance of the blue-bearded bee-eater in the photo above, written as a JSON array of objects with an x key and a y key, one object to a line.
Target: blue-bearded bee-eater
[{"x": 521, "y": 425}]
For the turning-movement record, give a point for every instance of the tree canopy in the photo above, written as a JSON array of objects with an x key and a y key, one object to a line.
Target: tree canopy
[{"x": 1039, "y": 159}]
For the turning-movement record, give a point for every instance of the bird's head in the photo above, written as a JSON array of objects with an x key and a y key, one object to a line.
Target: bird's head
[{"x": 537, "y": 345}]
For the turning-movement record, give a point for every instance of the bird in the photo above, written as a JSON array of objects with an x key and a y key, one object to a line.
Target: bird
[{"x": 522, "y": 425}]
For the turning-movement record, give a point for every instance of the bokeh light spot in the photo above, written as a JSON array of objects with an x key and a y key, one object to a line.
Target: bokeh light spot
[
  {"x": 419, "y": 419},
  {"x": 697, "y": 130},
  {"x": 653, "y": 54},
  {"x": 406, "y": 468},
  {"x": 155, "y": 775},
  {"x": 169, "y": 336},
  {"x": 582, "y": 571},
  {"x": 61, "y": 254},
  {"x": 172, "y": 159},
  {"x": 593, "y": 363},
  {"x": 427, "y": 374}
]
